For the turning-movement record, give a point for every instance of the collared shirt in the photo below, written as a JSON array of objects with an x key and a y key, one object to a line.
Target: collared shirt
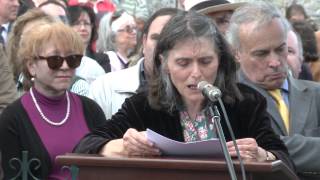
[
  {"x": 284, "y": 88},
  {"x": 142, "y": 78},
  {"x": 285, "y": 92},
  {"x": 5, "y": 32}
]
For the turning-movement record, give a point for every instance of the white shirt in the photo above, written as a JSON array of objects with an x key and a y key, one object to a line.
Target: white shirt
[
  {"x": 5, "y": 32},
  {"x": 115, "y": 61},
  {"x": 89, "y": 69},
  {"x": 111, "y": 89}
]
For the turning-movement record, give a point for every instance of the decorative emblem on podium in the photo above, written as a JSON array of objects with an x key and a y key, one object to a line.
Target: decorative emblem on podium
[
  {"x": 23, "y": 166},
  {"x": 74, "y": 170}
]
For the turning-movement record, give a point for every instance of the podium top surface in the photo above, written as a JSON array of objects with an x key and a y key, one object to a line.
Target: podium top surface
[
  {"x": 259, "y": 170},
  {"x": 165, "y": 162}
]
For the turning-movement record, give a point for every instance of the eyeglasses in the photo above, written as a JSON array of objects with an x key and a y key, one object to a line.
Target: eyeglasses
[
  {"x": 128, "y": 29},
  {"x": 55, "y": 62}
]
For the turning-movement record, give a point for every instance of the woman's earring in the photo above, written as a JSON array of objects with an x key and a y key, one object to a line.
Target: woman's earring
[{"x": 32, "y": 78}]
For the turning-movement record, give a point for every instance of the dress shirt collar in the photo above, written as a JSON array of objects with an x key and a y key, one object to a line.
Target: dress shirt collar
[
  {"x": 5, "y": 31},
  {"x": 285, "y": 86}
]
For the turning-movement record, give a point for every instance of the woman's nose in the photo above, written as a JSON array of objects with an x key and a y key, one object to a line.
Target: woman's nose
[{"x": 196, "y": 72}]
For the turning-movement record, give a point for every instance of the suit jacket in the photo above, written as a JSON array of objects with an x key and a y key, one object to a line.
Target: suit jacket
[
  {"x": 303, "y": 140},
  {"x": 248, "y": 118},
  {"x": 8, "y": 91}
]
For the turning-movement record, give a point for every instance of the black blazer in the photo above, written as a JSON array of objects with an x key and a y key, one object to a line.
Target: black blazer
[
  {"x": 17, "y": 133},
  {"x": 248, "y": 118}
]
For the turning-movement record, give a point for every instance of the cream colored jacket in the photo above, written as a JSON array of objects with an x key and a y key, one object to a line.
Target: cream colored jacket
[{"x": 111, "y": 89}]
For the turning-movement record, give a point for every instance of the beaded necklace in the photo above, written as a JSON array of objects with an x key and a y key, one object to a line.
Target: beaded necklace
[{"x": 47, "y": 119}]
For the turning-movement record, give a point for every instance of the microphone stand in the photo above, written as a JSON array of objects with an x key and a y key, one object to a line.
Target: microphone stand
[
  {"x": 216, "y": 120},
  {"x": 232, "y": 137}
]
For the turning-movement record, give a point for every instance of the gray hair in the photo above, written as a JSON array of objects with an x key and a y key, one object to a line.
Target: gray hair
[
  {"x": 171, "y": 98},
  {"x": 106, "y": 38},
  {"x": 260, "y": 13},
  {"x": 300, "y": 46}
]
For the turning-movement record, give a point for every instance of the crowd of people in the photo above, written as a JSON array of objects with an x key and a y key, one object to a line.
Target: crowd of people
[{"x": 91, "y": 77}]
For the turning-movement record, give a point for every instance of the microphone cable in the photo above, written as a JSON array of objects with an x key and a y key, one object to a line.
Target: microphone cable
[{"x": 232, "y": 137}]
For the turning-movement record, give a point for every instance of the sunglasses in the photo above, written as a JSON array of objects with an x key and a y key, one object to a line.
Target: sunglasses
[{"x": 55, "y": 62}]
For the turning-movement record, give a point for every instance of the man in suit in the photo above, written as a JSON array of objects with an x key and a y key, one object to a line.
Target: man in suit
[
  {"x": 258, "y": 34},
  {"x": 8, "y": 13},
  {"x": 8, "y": 91}
]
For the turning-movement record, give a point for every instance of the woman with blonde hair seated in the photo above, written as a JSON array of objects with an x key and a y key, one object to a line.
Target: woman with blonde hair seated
[
  {"x": 21, "y": 27},
  {"x": 48, "y": 120}
]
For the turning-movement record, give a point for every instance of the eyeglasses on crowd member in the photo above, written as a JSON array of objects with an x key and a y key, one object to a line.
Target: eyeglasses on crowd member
[
  {"x": 83, "y": 21},
  {"x": 117, "y": 38},
  {"x": 109, "y": 91},
  {"x": 190, "y": 49},
  {"x": 21, "y": 28}
]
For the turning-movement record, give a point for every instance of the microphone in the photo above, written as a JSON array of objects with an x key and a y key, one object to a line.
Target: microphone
[
  {"x": 214, "y": 94},
  {"x": 208, "y": 90}
]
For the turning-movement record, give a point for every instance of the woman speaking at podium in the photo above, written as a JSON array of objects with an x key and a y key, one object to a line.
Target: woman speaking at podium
[{"x": 190, "y": 49}]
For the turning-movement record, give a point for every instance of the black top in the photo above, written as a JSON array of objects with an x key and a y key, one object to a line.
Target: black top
[
  {"x": 18, "y": 134},
  {"x": 101, "y": 58},
  {"x": 305, "y": 73},
  {"x": 248, "y": 118}
]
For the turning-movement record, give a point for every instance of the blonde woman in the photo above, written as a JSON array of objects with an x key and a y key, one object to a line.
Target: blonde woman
[{"x": 48, "y": 120}]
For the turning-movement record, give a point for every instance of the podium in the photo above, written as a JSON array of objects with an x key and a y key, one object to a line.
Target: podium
[{"x": 94, "y": 167}]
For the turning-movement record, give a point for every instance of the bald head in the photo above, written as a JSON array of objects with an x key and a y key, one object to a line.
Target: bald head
[{"x": 295, "y": 53}]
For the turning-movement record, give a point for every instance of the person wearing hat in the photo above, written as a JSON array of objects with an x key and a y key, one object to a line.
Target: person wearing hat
[{"x": 218, "y": 10}]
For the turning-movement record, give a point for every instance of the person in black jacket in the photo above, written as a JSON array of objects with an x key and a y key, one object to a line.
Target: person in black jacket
[
  {"x": 48, "y": 120},
  {"x": 190, "y": 49}
]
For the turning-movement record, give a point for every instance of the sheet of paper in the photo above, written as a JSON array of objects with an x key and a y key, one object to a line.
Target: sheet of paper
[{"x": 171, "y": 147}]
